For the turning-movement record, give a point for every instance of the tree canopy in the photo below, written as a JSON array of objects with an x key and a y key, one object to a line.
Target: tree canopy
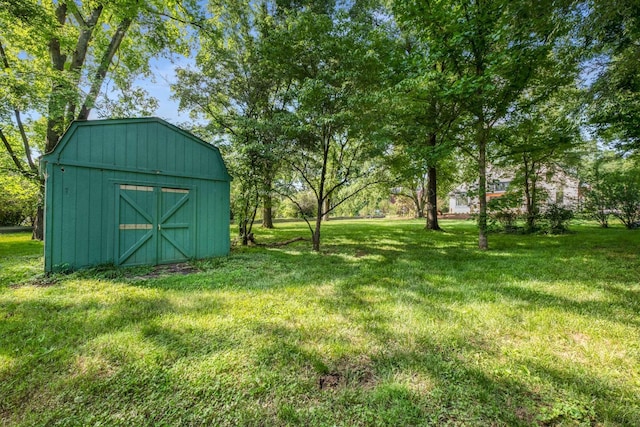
[
  {"x": 314, "y": 102},
  {"x": 496, "y": 49},
  {"x": 612, "y": 31},
  {"x": 56, "y": 56}
]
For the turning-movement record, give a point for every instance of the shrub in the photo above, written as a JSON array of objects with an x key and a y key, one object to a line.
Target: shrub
[
  {"x": 626, "y": 198},
  {"x": 18, "y": 200},
  {"x": 504, "y": 212},
  {"x": 557, "y": 219},
  {"x": 614, "y": 190},
  {"x": 597, "y": 206},
  {"x": 306, "y": 201}
]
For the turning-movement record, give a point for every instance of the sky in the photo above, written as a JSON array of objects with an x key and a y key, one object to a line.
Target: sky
[
  {"x": 159, "y": 86},
  {"x": 164, "y": 76}
]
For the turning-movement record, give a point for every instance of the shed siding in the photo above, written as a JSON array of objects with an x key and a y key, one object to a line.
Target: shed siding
[
  {"x": 143, "y": 148},
  {"x": 84, "y": 229},
  {"x": 85, "y": 172}
]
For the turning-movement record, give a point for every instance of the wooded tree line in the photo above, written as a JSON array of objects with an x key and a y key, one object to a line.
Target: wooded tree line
[{"x": 322, "y": 102}]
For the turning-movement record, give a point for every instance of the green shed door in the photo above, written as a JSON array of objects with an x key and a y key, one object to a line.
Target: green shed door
[
  {"x": 155, "y": 225},
  {"x": 175, "y": 225}
]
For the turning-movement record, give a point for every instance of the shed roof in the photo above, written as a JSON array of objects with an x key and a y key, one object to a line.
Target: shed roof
[{"x": 146, "y": 145}]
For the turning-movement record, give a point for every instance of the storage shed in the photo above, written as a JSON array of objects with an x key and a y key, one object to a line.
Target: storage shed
[{"x": 133, "y": 192}]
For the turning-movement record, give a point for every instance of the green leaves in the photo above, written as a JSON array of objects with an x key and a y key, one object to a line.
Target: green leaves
[
  {"x": 492, "y": 52},
  {"x": 614, "y": 189},
  {"x": 18, "y": 198},
  {"x": 240, "y": 89},
  {"x": 57, "y": 55},
  {"x": 612, "y": 31}
]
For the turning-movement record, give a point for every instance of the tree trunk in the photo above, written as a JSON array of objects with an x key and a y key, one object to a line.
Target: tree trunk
[
  {"x": 432, "y": 201},
  {"x": 327, "y": 206},
  {"x": 267, "y": 207},
  {"x": 533, "y": 210},
  {"x": 38, "y": 223},
  {"x": 103, "y": 68},
  {"x": 527, "y": 194},
  {"x": 419, "y": 208},
  {"x": 322, "y": 197},
  {"x": 531, "y": 216},
  {"x": 530, "y": 193},
  {"x": 316, "y": 234},
  {"x": 432, "y": 192},
  {"x": 267, "y": 214},
  {"x": 483, "y": 242},
  {"x": 242, "y": 230},
  {"x": 55, "y": 120}
]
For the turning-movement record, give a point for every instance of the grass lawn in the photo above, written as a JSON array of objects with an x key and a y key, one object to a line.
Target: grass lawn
[{"x": 389, "y": 325}]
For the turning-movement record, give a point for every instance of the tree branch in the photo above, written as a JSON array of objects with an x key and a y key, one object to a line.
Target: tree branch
[
  {"x": 105, "y": 62},
  {"x": 5, "y": 61},
  {"x": 365, "y": 186},
  {"x": 15, "y": 158},
  {"x": 23, "y": 134},
  {"x": 80, "y": 52},
  {"x": 199, "y": 24},
  {"x": 56, "y": 115},
  {"x": 25, "y": 141},
  {"x": 295, "y": 202},
  {"x": 304, "y": 177}
]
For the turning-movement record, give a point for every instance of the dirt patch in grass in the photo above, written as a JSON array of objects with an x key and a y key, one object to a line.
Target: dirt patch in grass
[
  {"x": 356, "y": 372},
  {"x": 41, "y": 281},
  {"x": 580, "y": 338},
  {"x": 111, "y": 272},
  {"x": 523, "y": 414},
  {"x": 168, "y": 269},
  {"x": 329, "y": 381}
]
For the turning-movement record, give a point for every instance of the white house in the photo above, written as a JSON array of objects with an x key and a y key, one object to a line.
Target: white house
[{"x": 560, "y": 188}]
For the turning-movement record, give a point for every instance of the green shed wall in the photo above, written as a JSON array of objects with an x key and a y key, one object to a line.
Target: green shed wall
[{"x": 94, "y": 159}]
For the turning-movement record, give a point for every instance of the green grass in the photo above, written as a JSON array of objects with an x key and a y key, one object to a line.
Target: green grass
[
  {"x": 20, "y": 258},
  {"x": 389, "y": 325}
]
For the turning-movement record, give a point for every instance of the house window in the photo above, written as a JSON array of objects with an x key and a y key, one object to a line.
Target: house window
[
  {"x": 497, "y": 187},
  {"x": 560, "y": 196},
  {"x": 462, "y": 200}
]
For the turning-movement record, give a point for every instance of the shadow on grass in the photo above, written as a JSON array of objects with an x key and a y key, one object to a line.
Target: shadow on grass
[
  {"x": 449, "y": 272},
  {"x": 215, "y": 346},
  {"x": 282, "y": 366}
]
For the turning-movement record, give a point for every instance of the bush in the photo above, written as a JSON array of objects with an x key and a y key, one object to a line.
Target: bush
[
  {"x": 596, "y": 207},
  {"x": 306, "y": 201},
  {"x": 614, "y": 190},
  {"x": 504, "y": 213},
  {"x": 18, "y": 200},
  {"x": 557, "y": 219},
  {"x": 626, "y": 198}
]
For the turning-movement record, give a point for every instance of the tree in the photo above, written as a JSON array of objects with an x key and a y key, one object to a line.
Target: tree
[
  {"x": 626, "y": 196},
  {"x": 539, "y": 141},
  {"x": 56, "y": 57},
  {"x": 497, "y": 48},
  {"x": 614, "y": 189},
  {"x": 18, "y": 198},
  {"x": 425, "y": 117},
  {"x": 242, "y": 93},
  {"x": 244, "y": 168},
  {"x": 336, "y": 59},
  {"x": 410, "y": 167},
  {"x": 410, "y": 179},
  {"x": 612, "y": 31},
  {"x": 598, "y": 202}
]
